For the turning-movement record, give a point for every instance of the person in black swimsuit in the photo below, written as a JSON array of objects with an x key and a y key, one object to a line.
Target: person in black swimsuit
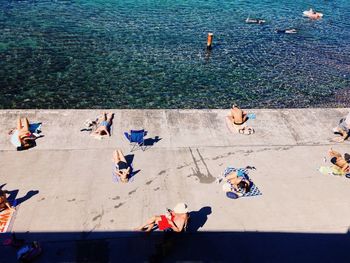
[{"x": 121, "y": 166}]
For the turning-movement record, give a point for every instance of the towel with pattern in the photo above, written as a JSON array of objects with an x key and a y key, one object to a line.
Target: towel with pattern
[{"x": 243, "y": 172}]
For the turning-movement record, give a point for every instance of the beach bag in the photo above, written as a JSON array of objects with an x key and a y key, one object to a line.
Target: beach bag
[{"x": 232, "y": 195}]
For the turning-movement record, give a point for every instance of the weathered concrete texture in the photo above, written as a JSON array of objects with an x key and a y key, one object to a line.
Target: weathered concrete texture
[{"x": 73, "y": 171}]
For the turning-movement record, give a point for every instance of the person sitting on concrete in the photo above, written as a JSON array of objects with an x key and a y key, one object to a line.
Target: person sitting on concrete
[
  {"x": 121, "y": 166},
  {"x": 175, "y": 220},
  {"x": 4, "y": 203},
  {"x": 22, "y": 137},
  {"x": 254, "y": 21},
  {"x": 340, "y": 162},
  {"x": 237, "y": 119},
  {"x": 239, "y": 184},
  {"x": 105, "y": 124},
  {"x": 343, "y": 129},
  {"x": 286, "y": 31}
]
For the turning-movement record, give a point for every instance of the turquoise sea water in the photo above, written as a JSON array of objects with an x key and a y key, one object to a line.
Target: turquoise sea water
[{"x": 151, "y": 54}]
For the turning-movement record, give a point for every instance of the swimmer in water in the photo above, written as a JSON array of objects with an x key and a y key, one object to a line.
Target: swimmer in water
[
  {"x": 286, "y": 31},
  {"x": 312, "y": 14},
  {"x": 254, "y": 21}
]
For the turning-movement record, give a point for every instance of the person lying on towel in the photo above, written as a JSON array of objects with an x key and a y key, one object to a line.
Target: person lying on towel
[
  {"x": 104, "y": 126},
  {"x": 175, "y": 220},
  {"x": 22, "y": 136},
  {"x": 240, "y": 185},
  {"x": 121, "y": 166},
  {"x": 338, "y": 161}
]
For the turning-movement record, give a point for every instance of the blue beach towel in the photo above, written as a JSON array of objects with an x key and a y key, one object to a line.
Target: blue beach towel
[
  {"x": 251, "y": 116},
  {"x": 241, "y": 172},
  {"x": 33, "y": 128}
]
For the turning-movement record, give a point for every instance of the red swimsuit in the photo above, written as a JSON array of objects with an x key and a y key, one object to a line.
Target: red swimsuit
[{"x": 164, "y": 224}]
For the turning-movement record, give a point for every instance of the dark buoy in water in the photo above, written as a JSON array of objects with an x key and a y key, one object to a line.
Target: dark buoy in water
[{"x": 210, "y": 41}]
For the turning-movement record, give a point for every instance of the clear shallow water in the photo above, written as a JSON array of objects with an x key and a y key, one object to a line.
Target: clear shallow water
[{"x": 151, "y": 54}]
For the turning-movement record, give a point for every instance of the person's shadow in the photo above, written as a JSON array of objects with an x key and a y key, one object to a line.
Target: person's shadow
[
  {"x": 12, "y": 198},
  {"x": 129, "y": 159},
  {"x": 198, "y": 219}
]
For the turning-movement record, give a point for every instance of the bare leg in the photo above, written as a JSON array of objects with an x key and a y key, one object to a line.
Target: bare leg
[
  {"x": 333, "y": 153},
  {"x": 109, "y": 117},
  {"x": 26, "y": 124},
  {"x": 149, "y": 224},
  {"x": 19, "y": 123},
  {"x": 121, "y": 156},
  {"x": 116, "y": 158}
]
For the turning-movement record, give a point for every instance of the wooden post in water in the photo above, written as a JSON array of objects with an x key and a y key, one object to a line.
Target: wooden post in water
[{"x": 210, "y": 41}]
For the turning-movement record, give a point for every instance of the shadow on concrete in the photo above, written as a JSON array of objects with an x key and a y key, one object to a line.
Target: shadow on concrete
[
  {"x": 185, "y": 247},
  {"x": 198, "y": 219},
  {"x": 149, "y": 142},
  {"x": 30, "y": 194},
  {"x": 12, "y": 196},
  {"x": 129, "y": 159}
]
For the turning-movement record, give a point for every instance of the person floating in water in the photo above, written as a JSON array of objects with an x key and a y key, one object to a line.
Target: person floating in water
[
  {"x": 286, "y": 31},
  {"x": 254, "y": 21},
  {"x": 312, "y": 14}
]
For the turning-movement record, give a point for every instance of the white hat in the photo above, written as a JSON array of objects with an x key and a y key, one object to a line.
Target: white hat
[
  {"x": 180, "y": 208},
  {"x": 226, "y": 187}
]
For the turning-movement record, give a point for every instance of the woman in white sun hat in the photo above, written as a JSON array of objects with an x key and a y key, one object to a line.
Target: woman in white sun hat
[{"x": 175, "y": 220}]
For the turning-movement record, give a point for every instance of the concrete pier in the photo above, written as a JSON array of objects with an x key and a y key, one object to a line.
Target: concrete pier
[{"x": 67, "y": 178}]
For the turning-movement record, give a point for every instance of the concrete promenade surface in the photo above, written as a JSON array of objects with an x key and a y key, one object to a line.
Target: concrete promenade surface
[{"x": 66, "y": 180}]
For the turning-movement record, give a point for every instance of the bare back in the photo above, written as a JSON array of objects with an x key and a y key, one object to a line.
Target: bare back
[{"x": 180, "y": 220}]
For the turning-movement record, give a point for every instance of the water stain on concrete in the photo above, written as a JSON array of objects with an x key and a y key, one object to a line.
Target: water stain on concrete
[
  {"x": 41, "y": 199},
  {"x": 97, "y": 217},
  {"x": 118, "y": 205},
  {"x": 162, "y": 172},
  {"x": 156, "y": 189},
  {"x": 100, "y": 217},
  {"x": 149, "y": 182},
  {"x": 71, "y": 200},
  {"x": 203, "y": 178},
  {"x": 116, "y": 198},
  {"x": 111, "y": 220},
  {"x": 132, "y": 192}
]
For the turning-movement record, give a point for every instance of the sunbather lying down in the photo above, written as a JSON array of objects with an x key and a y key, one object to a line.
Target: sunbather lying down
[
  {"x": 104, "y": 125},
  {"x": 122, "y": 169},
  {"x": 25, "y": 139},
  {"x": 236, "y": 121},
  {"x": 340, "y": 162},
  {"x": 175, "y": 220},
  {"x": 238, "y": 183}
]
